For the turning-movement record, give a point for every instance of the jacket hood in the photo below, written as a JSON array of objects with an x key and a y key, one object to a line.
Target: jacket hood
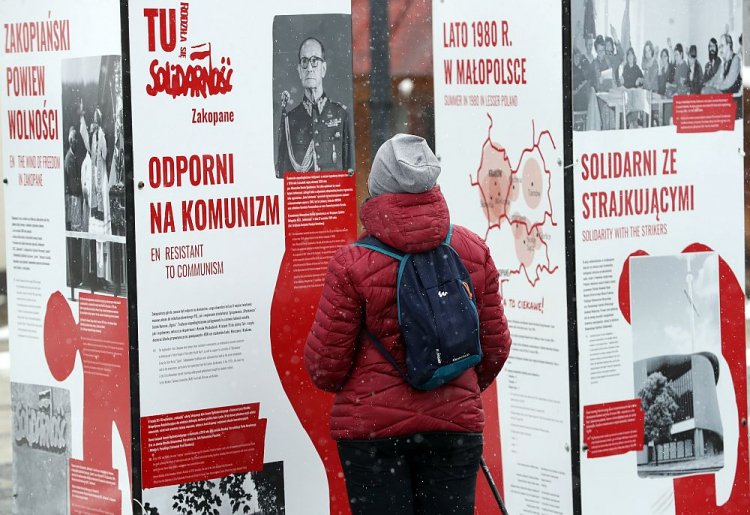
[{"x": 409, "y": 222}]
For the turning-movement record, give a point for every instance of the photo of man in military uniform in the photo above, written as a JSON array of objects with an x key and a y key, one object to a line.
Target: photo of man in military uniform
[{"x": 315, "y": 135}]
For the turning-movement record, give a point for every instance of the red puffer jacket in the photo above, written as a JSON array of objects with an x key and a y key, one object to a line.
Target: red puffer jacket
[{"x": 372, "y": 399}]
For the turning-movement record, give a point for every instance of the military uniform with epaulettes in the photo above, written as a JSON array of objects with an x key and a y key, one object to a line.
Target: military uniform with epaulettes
[{"x": 319, "y": 135}]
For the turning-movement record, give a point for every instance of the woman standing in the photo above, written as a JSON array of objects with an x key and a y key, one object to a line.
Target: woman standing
[{"x": 403, "y": 450}]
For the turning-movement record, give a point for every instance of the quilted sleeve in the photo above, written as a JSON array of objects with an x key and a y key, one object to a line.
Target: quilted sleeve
[
  {"x": 331, "y": 344},
  {"x": 493, "y": 327}
]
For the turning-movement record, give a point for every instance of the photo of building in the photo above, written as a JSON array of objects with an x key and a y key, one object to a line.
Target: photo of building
[
  {"x": 677, "y": 361},
  {"x": 694, "y": 440}
]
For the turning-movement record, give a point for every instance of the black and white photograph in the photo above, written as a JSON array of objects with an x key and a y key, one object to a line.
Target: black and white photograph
[
  {"x": 249, "y": 493},
  {"x": 41, "y": 448},
  {"x": 312, "y": 93},
  {"x": 676, "y": 327},
  {"x": 93, "y": 147},
  {"x": 632, "y": 57}
]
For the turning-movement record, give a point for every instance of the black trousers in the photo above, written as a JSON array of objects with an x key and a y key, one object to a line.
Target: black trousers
[{"x": 420, "y": 474}]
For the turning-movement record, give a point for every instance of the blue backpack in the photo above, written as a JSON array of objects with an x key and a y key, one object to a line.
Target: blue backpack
[{"x": 437, "y": 314}]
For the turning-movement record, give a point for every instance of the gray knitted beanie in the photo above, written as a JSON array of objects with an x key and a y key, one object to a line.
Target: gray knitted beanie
[{"x": 404, "y": 164}]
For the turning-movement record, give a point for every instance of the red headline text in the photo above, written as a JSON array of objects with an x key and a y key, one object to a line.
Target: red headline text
[
  {"x": 201, "y": 170},
  {"x": 654, "y": 200}
]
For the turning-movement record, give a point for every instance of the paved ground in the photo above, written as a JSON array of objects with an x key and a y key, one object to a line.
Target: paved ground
[{"x": 5, "y": 454}]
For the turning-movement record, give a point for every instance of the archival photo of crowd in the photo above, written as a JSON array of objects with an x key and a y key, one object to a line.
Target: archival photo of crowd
[
  {"x": 93, "y": 147},
  {"x": 632, "y": 57},
  {"x": 677, "y": 370}
]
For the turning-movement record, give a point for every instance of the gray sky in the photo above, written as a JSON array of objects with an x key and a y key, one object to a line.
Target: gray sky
[
  {"x": 84, "y": 69},
  {"x": 660, "y": 311}
]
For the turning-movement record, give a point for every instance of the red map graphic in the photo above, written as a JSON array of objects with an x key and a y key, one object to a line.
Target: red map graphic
[{"x": 501, "y": 188}]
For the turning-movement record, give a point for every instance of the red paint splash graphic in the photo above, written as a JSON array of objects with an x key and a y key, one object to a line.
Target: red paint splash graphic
[{"x": 499, "y": 185}]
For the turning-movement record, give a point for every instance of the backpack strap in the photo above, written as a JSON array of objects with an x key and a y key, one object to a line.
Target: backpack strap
[
  {"x": 386, "y": 354},
  {"x": 450, "y": 234},
  {"x": 372, "y": 243}
]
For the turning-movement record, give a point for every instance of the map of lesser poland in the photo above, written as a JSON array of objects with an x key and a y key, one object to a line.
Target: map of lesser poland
[{"x": 517, "y": 204}]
